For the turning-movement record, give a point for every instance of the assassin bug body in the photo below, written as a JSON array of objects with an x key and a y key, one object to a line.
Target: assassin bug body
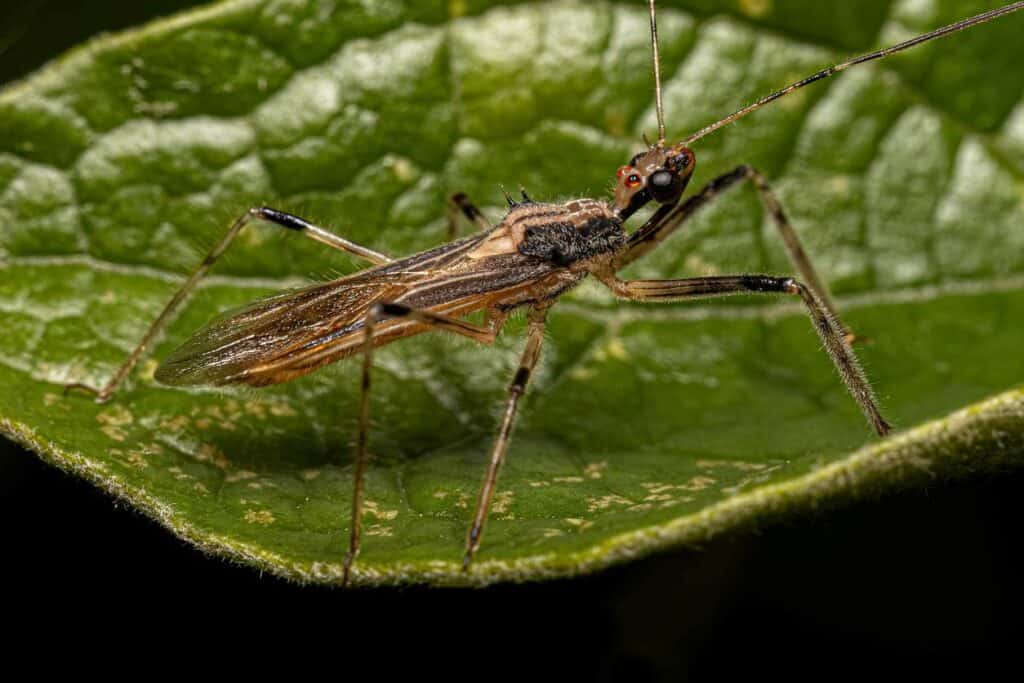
[{"x": 536, "y": 253}]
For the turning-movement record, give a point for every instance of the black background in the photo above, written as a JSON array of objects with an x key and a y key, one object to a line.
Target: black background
[{"x": 921, "y": 582}]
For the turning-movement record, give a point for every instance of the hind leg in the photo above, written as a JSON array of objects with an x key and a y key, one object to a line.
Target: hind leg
[{"x": 262, "y": 213}]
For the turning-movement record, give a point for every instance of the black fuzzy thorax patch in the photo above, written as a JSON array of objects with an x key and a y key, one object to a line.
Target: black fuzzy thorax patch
[{"x": 576, "y": 231}]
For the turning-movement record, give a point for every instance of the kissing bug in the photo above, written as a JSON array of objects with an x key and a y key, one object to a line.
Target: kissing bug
[{"x": 537, "y": 252}]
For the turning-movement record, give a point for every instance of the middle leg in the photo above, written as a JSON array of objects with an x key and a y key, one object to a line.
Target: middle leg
[
  {"x": 534, "y": 340},
  {"x": 379, "y": 313}
]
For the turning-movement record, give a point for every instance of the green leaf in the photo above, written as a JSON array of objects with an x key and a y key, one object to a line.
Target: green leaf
[{"x": 645, "y": 426}]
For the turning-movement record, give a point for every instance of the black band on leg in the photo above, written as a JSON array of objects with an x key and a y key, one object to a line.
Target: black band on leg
[
  {"x": 521, "y": 378},
  {"x": 763, "y": 283},
  {"x": 285, "y": 220}
]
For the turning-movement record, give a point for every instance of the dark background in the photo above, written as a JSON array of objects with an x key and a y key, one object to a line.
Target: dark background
[{"x": 921, "y": 582}]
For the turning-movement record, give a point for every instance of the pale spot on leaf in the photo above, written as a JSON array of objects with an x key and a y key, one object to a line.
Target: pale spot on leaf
[
  {"x": 735, "y": 464},
  {"x": 282, "y": 410},
  {"x": 502, "y": 501},
  {"x": 213, "y": 455},
  {"x": 179, "y": 473},
  {"x": 604, "y": 502},
  {"x": 372, "y": 509},
  {"x": 261, "y": 517}
]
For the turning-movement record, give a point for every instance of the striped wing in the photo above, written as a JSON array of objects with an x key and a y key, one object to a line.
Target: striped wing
[
  {"x": 249, "y": 345},
  {"x": 285, "y": 336}
]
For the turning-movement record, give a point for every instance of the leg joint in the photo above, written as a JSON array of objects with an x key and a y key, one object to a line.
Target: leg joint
[
  {"x": 753, "y": 174},
  {"x": 792, "y": 286}
]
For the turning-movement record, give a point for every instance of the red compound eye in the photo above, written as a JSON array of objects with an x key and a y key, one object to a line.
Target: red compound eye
[{"x": 632, "y": 179}]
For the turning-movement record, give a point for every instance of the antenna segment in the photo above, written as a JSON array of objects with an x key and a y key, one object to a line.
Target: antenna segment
[{"x": 657, "y": 76}]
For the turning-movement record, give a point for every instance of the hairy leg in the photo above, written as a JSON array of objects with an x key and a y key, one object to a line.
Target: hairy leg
[
  {"x": 668, "y": 218},
  {"x": 534, "y": 340},
  {"x": 828, "y": 329},
  {"x": 378, "y": 314}
]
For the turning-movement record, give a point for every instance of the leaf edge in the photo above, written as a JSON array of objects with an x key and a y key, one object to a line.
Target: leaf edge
[{"x": 965, "y": 442}]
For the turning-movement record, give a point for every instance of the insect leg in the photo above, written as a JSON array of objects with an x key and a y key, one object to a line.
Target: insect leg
[
  {"x": 293, "y": 222},
  {"x": 460, "y": 204},
  {"x": 280, "y": 218},
  {"x": 825, "y": 324},
  {"x": 531, "y": 353},
  {"x": 377, "y": 314},
  {"x": 668, "y": 218}
]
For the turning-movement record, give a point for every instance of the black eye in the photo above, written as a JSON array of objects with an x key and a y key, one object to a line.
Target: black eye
[
  {"x": 665, "y": 186},
  {"x": 661, "y": 179}
]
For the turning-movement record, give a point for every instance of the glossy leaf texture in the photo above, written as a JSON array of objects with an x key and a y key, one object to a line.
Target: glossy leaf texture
[{"x": 646, "y": 426}]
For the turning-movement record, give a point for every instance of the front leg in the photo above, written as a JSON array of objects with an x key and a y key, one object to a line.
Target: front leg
[
  {"x": 668, "y": 218},
  {"x": 825, "y": 324}
]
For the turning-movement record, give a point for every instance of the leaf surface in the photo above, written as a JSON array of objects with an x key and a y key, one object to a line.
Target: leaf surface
[{"x": 645, "y": 426}]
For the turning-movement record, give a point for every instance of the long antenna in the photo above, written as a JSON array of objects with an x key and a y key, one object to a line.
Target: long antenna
[
  {"x": 825, "y": 73},
  {"x": 657, "y": 76}
]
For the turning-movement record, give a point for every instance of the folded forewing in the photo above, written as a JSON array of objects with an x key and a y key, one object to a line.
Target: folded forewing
[
  {"x": 291, "y": 334},
  {"x": 235, "y": 344}
]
